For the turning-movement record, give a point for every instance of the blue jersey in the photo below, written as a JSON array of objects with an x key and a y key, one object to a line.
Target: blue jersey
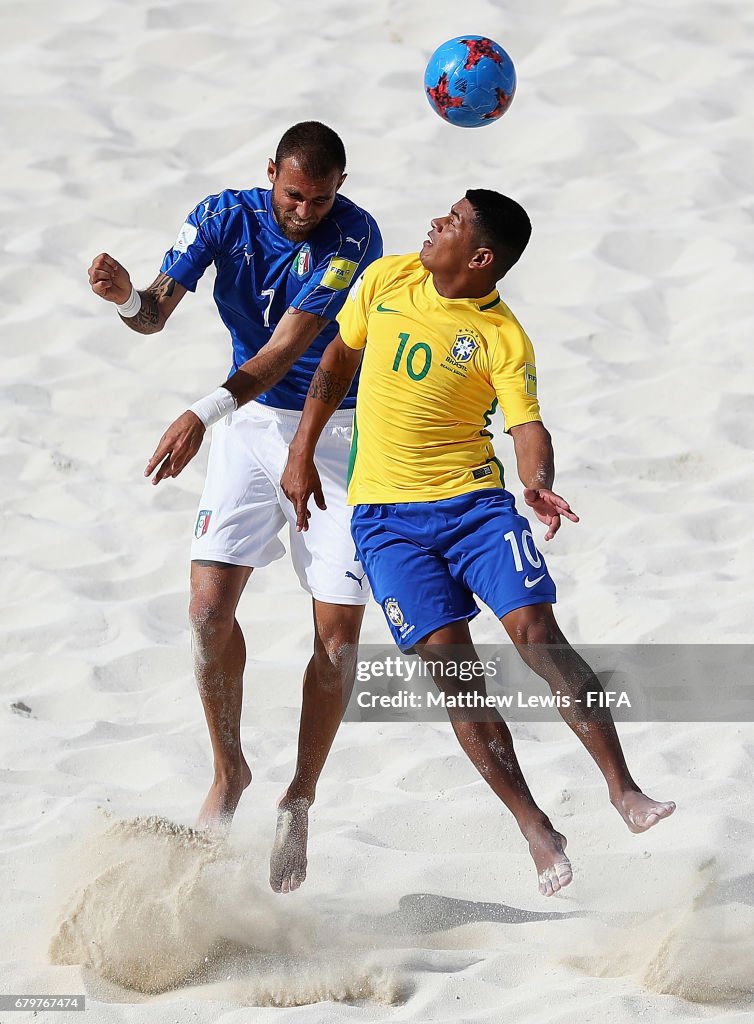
[{"x": 260, "y": 273}]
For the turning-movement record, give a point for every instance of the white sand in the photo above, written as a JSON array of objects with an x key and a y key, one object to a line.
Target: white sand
[{"x": 630, "y": 142}]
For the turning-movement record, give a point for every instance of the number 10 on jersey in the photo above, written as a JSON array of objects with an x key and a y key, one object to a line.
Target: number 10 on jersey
[{"x": 418, "y": 358}]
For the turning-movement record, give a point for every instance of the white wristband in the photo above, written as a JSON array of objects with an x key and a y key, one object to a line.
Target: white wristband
[
  {"x": 213, "y": 407},
  {"x": 131, "y": 306}
]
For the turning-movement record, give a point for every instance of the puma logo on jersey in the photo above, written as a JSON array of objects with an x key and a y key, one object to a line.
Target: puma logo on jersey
[{"x": 356, "y": 242}]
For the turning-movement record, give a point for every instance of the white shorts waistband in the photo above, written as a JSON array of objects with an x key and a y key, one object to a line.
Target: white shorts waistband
[{"x": 259, "y": 409}]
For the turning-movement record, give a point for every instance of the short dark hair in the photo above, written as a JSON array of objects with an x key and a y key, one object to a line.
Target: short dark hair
[
  {"x": 502, "y": 225},
  {"x": 316, "y": 148}
]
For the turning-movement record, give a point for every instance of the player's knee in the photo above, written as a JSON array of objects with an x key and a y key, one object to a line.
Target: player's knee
[
  {"x": 533, "y": 627},
  {"x": 211, "y": 622},
  {"x": 335, "y": 656}
]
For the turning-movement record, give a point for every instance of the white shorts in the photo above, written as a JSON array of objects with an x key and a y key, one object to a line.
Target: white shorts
[{"x": 242, "y": 508}]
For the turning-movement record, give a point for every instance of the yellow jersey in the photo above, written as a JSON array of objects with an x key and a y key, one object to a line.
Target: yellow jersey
[{"x": 433, "y": 372}]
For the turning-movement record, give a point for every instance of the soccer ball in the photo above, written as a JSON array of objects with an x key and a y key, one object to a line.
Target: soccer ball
[{"x": 470, "y": 81}]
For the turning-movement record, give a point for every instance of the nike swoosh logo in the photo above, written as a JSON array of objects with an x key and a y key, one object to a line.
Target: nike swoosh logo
[
  {"x": 385, "y": 309},
  {"x": 532, "y": 583}
]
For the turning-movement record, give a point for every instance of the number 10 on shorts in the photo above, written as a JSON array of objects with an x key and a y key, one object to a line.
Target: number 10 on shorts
[{"x": 533, "y": 557}]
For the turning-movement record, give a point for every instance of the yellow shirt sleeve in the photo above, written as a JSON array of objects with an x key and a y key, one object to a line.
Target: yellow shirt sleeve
[
  {"x": 354, "y": 315},
  {"x": 514, "y": 375}
]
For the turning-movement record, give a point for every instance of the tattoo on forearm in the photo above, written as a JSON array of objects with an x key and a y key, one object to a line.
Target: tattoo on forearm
[
  {"x": 328, "y": 388},
  {"x": 147, "y": 320}
]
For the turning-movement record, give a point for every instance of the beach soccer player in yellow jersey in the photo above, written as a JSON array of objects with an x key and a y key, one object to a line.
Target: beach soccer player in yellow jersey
[{"x": 433, "y": 523}]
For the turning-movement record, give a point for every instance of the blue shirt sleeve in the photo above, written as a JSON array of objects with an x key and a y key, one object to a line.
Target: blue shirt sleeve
[
  {"x": 337, "y": 266},
  {"x": 194, "y": 249}
]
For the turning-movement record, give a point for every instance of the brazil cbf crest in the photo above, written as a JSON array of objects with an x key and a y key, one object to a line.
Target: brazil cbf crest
[
  {"x": 396, "y": 618},
  {"x": 303, "y": 263},
  {"x": 393, "y": 612},
  {"x": 464, "y": 346}
]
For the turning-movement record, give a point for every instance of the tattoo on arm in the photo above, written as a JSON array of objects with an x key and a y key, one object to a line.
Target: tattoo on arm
[
  {"x": 147, "y": 320},
  {"x": 320, "y": 320},
  {"x": 328, "y": 388}
]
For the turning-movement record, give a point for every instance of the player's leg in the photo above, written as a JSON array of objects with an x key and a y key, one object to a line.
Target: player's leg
[
  {"x": 494, "y": 554},
  {"x": 425, "y": 607},
  {"x": 489, "y": 746},
  {"x": 328, "y": 681},
  {"x": 219, "y": 655},
  {"x": 324, "y": 558},
  {"x": 541, "y": 643},
  {"x": 236, "y": 528}
]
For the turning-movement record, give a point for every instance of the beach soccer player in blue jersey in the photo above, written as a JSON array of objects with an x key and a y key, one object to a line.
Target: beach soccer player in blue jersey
[{"x": 285, "y": 258}]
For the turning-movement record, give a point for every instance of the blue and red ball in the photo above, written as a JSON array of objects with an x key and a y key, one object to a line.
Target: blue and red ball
[{"x": 470, "y": 81}]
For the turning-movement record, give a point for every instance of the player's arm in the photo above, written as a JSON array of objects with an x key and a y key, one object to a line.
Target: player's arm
[
  {"x": 330, "y": 384},
  {"x": 513, "y": 374},
  {"x": 145, "y": 312},
  {"x": 290, "y": 339},
  {"x": 183, "y": 438},
  {"x": 535, "y": 461}
]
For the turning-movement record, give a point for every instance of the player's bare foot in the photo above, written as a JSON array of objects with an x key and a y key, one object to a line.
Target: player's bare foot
[
  {"x": 547, "y": 848},
  {"x": 288, "y": 857},
  {"x": 640, "y": 812},
  {"x": 220, "y": 803}
]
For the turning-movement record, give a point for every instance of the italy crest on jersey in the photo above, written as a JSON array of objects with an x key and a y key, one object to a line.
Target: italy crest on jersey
[
  {"x": 464, "y": 347},
  {"x": 303, "y": 262}
]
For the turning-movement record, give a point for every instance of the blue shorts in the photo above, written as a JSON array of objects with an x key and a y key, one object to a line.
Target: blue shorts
[{"x": 426, "y": 560}]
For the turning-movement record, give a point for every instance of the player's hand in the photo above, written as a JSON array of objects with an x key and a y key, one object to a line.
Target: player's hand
[
  {"x": 177, "y": 447},
  {"x": 109, "y": 279},
  {"x": 299, "y": 482},
  {"x": 548, "y": 507}
]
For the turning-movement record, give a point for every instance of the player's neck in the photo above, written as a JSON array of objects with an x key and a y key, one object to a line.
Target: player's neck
[{"x": 462, "y": 287}]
